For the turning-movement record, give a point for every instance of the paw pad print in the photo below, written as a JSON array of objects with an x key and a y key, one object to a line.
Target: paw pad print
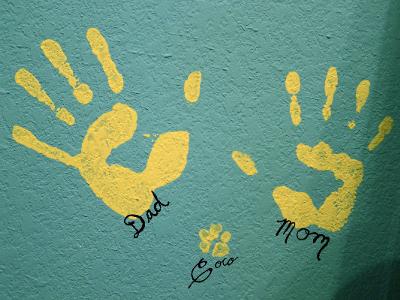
[{"x": 207, "y": 238}]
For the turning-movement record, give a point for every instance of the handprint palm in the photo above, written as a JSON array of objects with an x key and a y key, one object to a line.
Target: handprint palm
[{"x": 122, "y": 189}]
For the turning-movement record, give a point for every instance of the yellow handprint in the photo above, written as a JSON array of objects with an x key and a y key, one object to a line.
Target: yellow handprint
[
  {"x": 335, "y": 211},
  {"x": 121, "y": 189}
]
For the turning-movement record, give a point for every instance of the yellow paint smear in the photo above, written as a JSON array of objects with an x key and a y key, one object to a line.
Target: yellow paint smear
[
  {"x": 336, "y": 209},
  {"x": 331, "y": 83},
  {"x": 150, "y": 135},
  {"x": 293, "y": 85},
  {"x": 54, "y": 53},
  {"x": 384, "y": 129},
  {"x": 362, "y": 93},
  {"x": 121, "y": 189},
  {"x": 191, "y": 86},
  {"x": 30, "y": 84},
  {"x": 100, "y": 48},
  {"x": 351, "y": 124},
  {"x": 244, "y": 162}
]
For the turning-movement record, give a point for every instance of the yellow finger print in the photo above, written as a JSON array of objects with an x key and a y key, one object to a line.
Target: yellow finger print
[
  {"x": 100, "y": 48},
  {"x": 384, "y": 129},
  {"x": 64, "y": 115},
  {"x": 362, "y": 93},
  {"x": 331, "y": 83},
  {"x": 24, "y": 137},
  {"x": 29, "y": 82},
  {"x": 293, "y": 85},
  {"x": 192, "y": 86},
  {"x": 244, "y": 162},
  {"x": 54, "y": 53}
]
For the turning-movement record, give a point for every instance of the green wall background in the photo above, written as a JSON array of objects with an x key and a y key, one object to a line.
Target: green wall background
[{"x": 59, "y": 241}]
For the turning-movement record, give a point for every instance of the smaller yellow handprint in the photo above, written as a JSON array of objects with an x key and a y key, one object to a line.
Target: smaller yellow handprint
[
  {"x": 122, "y": 189},
  {"x": 336, "y": 209}
]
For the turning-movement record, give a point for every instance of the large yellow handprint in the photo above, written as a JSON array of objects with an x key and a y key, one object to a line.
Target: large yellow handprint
[
  {"x": 335, "y": 211},
  {"x": 122, "y": 189}
]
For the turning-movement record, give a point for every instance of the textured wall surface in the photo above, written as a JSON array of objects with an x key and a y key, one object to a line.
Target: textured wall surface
[{"x": 58, "y": 239}]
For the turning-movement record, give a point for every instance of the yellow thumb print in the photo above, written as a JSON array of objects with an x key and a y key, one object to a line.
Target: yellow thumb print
[{"x": 123, "y": 190}]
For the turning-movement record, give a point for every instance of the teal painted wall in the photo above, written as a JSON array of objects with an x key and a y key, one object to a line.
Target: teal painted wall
[{"x": 58, "y": 240}]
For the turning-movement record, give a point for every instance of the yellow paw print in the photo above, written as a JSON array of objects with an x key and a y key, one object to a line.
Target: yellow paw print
[
  {"x": 207, "y": 237},
  {"x": 123, "y": 190},
  {"x": 336, "y": 209}
]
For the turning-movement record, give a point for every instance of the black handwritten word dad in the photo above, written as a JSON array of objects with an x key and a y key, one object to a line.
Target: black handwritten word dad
[
  {"x": 149, "y": 215},
  {"x": 302, "y": 234},
  {"x": 202, "y": 263}
]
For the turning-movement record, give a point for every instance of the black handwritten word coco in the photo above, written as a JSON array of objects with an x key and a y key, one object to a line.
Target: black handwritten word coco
[
  {"x": 149, "y": 215},
  {"x": 302, "y": 234},
  {"x": 202, "y": 263}
]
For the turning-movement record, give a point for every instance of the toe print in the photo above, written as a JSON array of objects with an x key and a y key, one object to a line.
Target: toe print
[{"x": 221, "y": 248}]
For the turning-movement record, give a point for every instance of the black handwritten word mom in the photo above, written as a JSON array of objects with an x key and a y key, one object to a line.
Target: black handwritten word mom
[
  {"x": 203, "y": 276},
  {"x": 149, "y": 215},
  {"x": 302, "y": 234}
]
